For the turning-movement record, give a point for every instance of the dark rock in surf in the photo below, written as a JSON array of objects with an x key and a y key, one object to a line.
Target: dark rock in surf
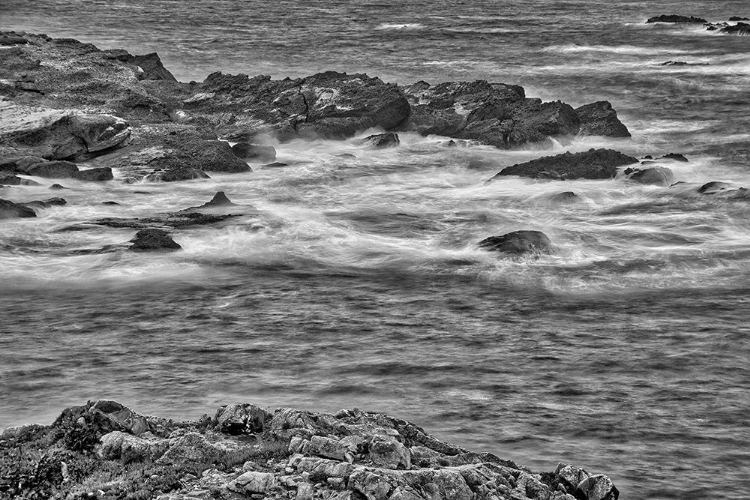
[
  {"x": 673, "y": 18},
  {"x": 151, "y": 67},
  {"x": 177, "y": 173},
  {"x": 592, "y": 164},
  {"x": 657, "y": 176},
  {"x": 736, "y": 18},
  {"x": 51, "y": 169},
  {"x": 97, "y": 174},
  {"x": 45, "y": 203},
  {"x": 386, "y": 140},
  {"x": 14, "y": 180},
  {"x": 564, "y": 197},
  {"x": 57, "y": 186},
  {"x": 742, "y": 29},
  {"x": 675, "y": 157},
  {"x": 254, "y": 152},
  {"x": 10, "y": 210},
  {"x": 599, "y": 118},
  {"x": 518, "y": 242},
  {"x": 151, "y": 239}
]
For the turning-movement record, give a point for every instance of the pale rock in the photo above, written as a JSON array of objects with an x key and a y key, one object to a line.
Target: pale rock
[
  {"x": 386, "y": 451},
  {"x": 253, "y": 482},
  {"x": 305, "y": 491},
  {"x": 322, "y": 466},
  {"x": 598, "y": 487},
  {"x": 328, "y": 448},
  {"x": 371, "y": 485}
]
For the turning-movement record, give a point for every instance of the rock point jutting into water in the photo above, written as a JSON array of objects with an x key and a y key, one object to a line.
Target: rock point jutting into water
[
  {"x": 592, "y": 164},
  {"x": 105, "y": 450}
]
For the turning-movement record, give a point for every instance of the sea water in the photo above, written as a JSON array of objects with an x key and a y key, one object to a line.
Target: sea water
[{"x": 354, "y": 277}]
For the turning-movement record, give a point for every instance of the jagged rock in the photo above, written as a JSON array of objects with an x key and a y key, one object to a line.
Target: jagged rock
[
  {"x": 386, "y": 140},
  {"x": 518, "y": 242},
  {"x": 153, "y": 239},
  {"x": 254, "y": 152},
  {"x": 673, "y": 18},
  {"x": 599, "y": 118},
  {"x": 253, "y": 482},
  {"x": 742, "y": 29},
  {"x": 57, "y": 186},
  {"x": 327, "y": 448},
  {"x": 737, "y": 18},
  {"x": 657, "y": 176},
  {"x": 241, "y": 419},
  {"x": 94, "y": 174},
  {"x": 597, "y": 487},
  {"x": 714, "y": 187},
  {"x": 219, "y": 200},
  {"x": 151, "y": 65},
  {"x": 387, "y": 452},
  {"x": 592, "y": 164},
  {"x": 675, "y": 157},
  {"x": 51, "y": 169},
  {"x": 10, "y": 210},
  {"x": 126, "y": 418},
  {"x": 564, "y": 197}
]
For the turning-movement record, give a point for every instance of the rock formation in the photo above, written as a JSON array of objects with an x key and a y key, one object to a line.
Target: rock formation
[
  {"x": 592, "y": 164},
  {"x": 106, "y": 450}
]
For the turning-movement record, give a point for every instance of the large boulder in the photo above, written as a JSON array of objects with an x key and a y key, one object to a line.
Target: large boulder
[
  {"x": 380, "y": 141},
  {"x": 518, "y": 242},
  {"x": 59, "y": 134},
  {"x": 10, "y": 210},
  {"x": 254, "y": 152},
  {"x": 591, "y": 164},
  {"x": 56, "y": 169},
  {"x": 599, "y": 118}
]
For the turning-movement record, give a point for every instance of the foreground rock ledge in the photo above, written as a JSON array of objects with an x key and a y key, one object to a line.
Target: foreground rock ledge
[{"x": 106, "y": 450}]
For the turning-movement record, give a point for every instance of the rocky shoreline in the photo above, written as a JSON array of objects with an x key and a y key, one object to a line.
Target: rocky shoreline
[{"x": 105, "y": 450}]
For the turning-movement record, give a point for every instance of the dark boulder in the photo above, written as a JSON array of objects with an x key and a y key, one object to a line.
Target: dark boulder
[
  {"x": 10, "y": 210},
  {"x": 153, "y": 239},
  {"x": 57, "y": 186},
  {"x": 51, "y": 169},
  {"x": 742, "y": 29},
  {"x": 737, "y": 18},
  {"x": 673, "y": 18},
  {"x": 14, "y": 180},
  {"x": 45, "y": 203},
  {"x": 219, "y": 200},
  {"x": 599, "y": 118},
  {"x": 94, "y": 174},
  {"x": 657, "y": 176},
  {"x": 177, "y": 173},
  {"x": 386, "y": 140},
  {"x": 723, "y": 188},
  {"x": 518, "y": 242},
  {"x": 254, "y": 152},
  {"x": 592, "y": 164},
  {"x": 675, "y": 157}
]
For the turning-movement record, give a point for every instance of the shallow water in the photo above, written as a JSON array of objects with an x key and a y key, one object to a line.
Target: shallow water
[{"x": 353, "y": 277}]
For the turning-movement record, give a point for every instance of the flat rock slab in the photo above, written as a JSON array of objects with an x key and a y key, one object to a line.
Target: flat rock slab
[{"x": 592, "y": 164}]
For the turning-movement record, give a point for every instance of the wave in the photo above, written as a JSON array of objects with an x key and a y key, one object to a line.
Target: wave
[
  {"x": 400, "y": 27},
  {"x": 614, "y": 49}
]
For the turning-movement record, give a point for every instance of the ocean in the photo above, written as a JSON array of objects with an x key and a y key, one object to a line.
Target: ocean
[{"x": 359, "y": 282}]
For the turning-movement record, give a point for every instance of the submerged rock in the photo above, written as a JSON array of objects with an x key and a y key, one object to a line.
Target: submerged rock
[
  {"x": 254, "y": 152},
  {"x": 674, "y": 157},
  {"x": 386, "y": 140},
  {"x": 673, "y": 18},
  {"x": 658, "y": 176},
  {"x": 592, "y": 164},
  {"x": 518, "y": 242},
  {"x": 10, "y": 210},
  {"x": 153, "y": 239}
]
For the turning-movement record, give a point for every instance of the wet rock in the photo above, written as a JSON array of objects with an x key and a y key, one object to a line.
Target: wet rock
[
  {"x": 46, "y": 203},
  {"x": 14, "y": 180},
  {"x": 10, "y": 210},
  {"x": 276, "y": 164},
  {"x": 147, "y": 240},
  {"x": 177, "y": 173},
  {"x": 51, "y": 169},
  {"x": 387, "y": 452},
  {"x": 57, "y": 186},
  {"x": 253, "y": 482},
  {"x": 564, "y": 197},
  {"x": 328, "y": 448},
  {"x": 97, "y": 174},
  {"x": 592, "y": 164},
  {"x": 742, "y": 29},
  {"x": 597, "y": 487},
  {"x": 600, "y": 118},
  {"x": 123, "y": 416},
  {"x": 675, "y": 157},
  {"x": 657, "y": 176},
  {"x": 518, "y": 242},
  {"x": 386, "y": 140},
  {"x": 673, "y": 18},
  {"x": 175, "y": 220},
  {"x": 254, "y": 152},
  {"x": 714, "y": 187},
  {"x": 737, "y": 18},
  {"x": 241, "y": 419}
]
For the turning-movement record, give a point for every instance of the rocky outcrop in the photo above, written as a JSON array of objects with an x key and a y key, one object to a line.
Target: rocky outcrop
[
  {"x": 599, "y": 118},
  {"x": 673, "y": 18},
  {"x": 742, "y": 29},
  {"x": 247, "y": 451},
  {"x": 518, "y": 242},
  {"x": 254, "y": 152},
  {"x": 147, "y": 240},
  {"x": 592, "y": 164}
]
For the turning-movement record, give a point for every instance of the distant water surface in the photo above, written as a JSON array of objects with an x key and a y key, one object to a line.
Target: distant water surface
[{"x": 355, "y": 280}]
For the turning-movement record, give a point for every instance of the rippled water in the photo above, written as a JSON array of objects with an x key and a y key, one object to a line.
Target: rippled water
[{"x": 354, "y": 279}]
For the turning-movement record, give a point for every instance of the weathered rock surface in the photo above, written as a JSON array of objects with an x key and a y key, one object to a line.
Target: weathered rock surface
[
  {"x": 518, "y": 242},
  {"x": 599, "y": 118},
  {"x": 591, "y": 164},
  {"x": 674, "y": 18},
  {"x": 147, "y": 240},
  {"x": 249, "y": 452}
]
